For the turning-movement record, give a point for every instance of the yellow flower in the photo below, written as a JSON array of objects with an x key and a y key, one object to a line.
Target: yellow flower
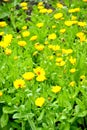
[
  {"x": 54, "y": 26},
  {"x": 33, "y": 38},
  {"x": 59, "y": 59},
  {"x": 52, "y": 36},
  {"x": 39, "y": 25},
  {"x": 40, "y": 3},
  {"x": 15, "y": 57},
  {"x": 72, "y": 84},
  {"x": 28, "y": 75},
  {"x": 40, "y": 101},
  {"x": 1, "y": 33},
  {"x": 59, "y": 5},
  {"x": 41, "y": 7},
  {"x": 24, "y": 27},
  {"x": 19, "y": 83},
  {"x": 73, "y": 17},
  {"x": 73, "y": 70},
  {"x": 62, "y": 30},
  {"x": 82, "y": 77},
  {"x": 69, "y": 51},
  {"x": 23, "y": 4},
  {"x": 22, "y": 43},
  {"x": 5, "y": 0},
  {"x": 43, "y": 11},
  {"x": 68, "y": 23},
  {"x": 1, "y": 93},
  {"x": 8, "y": 38},
  {"x": 25, "y": 33},
  {"x": 56, "y": 89},
  {"x": 39, "y": 71},
  {"x": 8, "y": 51},
  {"x": 72, "y": 60},
  {"x": 3, "y": 24},
  {"x": 39, "y": 47},
  {"x": 41, "y": 78},
  {"x": 85, "y": 0},
  {"x": 82, "y": 24},
  {"x": 62, "y": 63},
  {"x": 81, "y": 36},
  {"x": 49, "y": 11},
  {"x": 25, "y": 8},
  {"x": 74, "y": 10},
  {"x": 58, "y": 15}
]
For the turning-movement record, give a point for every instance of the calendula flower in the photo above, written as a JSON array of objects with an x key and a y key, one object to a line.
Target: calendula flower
[
  {"x": 73, "y": 17},
  {"x": 25, "y": 33},
  {"x": 3, "y": 24},
  {"x": 59, "y": 5},
  {"x": 23, "y": 4},
  {"x": 62, "y": 63},
  {"x": 39, "y": 71},
  {"x": 39, "y": 47},
  {"x": 1, "y": 33},
  {"x": 24, "y": 27},
  {"x": 56, "y": 89},
  {"x": 39, "y": 25},
  {"x": 62, "y": 30},
  {"x": 81, "y": 36},
  {"x": 59, "y": 59},
  {"x": 69, "y": 51},
  {"x": 1, "y": 93},
  {"x": 72, "y": 84},
  {"x": 25, "y": 8},
  {"x": 74, "y": 10},
  {"x": 22, "y": 43},
  {"x": 40, "y": 3},
  {"x": 28, "y": 75},
  {"x": 54, "y": 26},
  {"x": 82, "y": 77},
  {"x": 49, "y": 11},
  {"x": 82, "y": 24},
  {"x": 40, "y": 7},
  {"x": 33, "y": 38},
  {"x": 41, "y": 78},
  {"x": 52, "y": 36},
  {"x": 72, "y": 60},
  {"x": 58, "y": 15},
  {"x": 44, "y": 10},
  {"x": 73, "y": 70},
  {"x": 68, "y": 23},
  {"x": 8, "y": 51},
  {"x": 19, "y": 83},
  {"x": 40, "y": 101}
]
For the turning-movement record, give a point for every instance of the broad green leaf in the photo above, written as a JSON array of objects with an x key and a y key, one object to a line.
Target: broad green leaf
[{"x": 4, "y": 120}]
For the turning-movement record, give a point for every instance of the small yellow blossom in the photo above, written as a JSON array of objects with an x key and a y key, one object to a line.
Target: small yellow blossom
[
  {"x": 54, "y": 26},
  {"x": 56, "y": 89},
  {"x": 85, "y": 0},
  {"x": 40, "y": 3},
  {"x": 39, "y": 25},
  {"x": 39, "y": 47},
  {"x": 8, "y": 51},
  {"x": 3, "y": 24},
  {"x": 74, "y": 10},
  {"x": 52, "y": 36},
  {"x": 33, "y": 38},
  {"x": 59, "y": 59},
  {"x": 49, "y": 11},
  {"x": 82, "y": 77},
  {"x": 22, "y": 43},
  {"x": 24, "y": 27},
  {"x": 73, "y": 17},
  {"x": 41, "y": 78},
  {"x": 25, "y": 8},
  {"x": 25, "y": 33},
  {"x": 72, "y": 84},
  {"x": 44, "y": 10},
  {"x": 40, "y": 7},
  {"x": 68, "y": 23},
  {"x": 23, "y": 4},
  {"x": 73, "y": 70},
  {"x": 39, "y": 71},
  {"x": 59, "y": 5},
  {"x": 81, "y": 36},
  {"x": 19, "y": 83},
  {"x": 62, "y": 30},
  {"x": 1, "y": 33},
  {"x": 58, "y": 15},
  {"x": 82, "y": 24},
  {"x": 72, "y": 60},
  {"x": 40, "y": 101},
  {"x": 62, "y": 63},
  {"x": 1, "y": 93},
  {"x": 28, "y": 75}
]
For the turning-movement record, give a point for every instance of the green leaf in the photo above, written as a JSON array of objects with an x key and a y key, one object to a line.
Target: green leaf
[
  {"x": 8, "y": 110},
  {"x": 41, "y": 116},
  {"x": 4, "y": 120}
]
